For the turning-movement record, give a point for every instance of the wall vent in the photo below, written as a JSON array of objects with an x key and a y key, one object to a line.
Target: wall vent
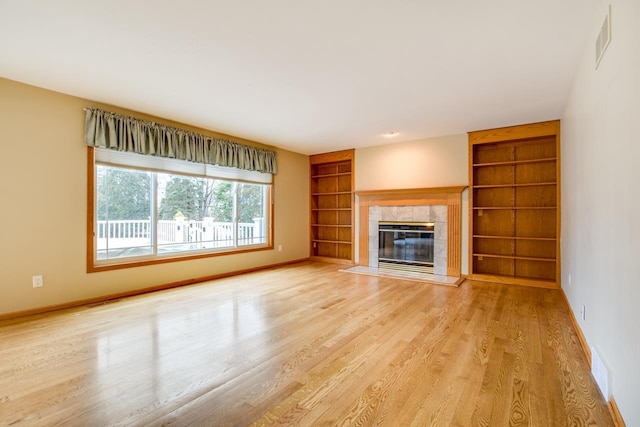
[
  {"x": 604, "y": 37},
  {"x": 600, "y": 373}
]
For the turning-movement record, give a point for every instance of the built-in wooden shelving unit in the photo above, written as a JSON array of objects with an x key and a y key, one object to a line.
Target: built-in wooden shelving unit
[
  {"x": 331, "y": 206},
  {"x": 515, "y": 204}
]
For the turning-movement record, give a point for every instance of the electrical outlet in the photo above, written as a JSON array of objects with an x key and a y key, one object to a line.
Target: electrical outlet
[
  {"x": 569, "y": 279},
  {"x": 279, "y": 248},
  {"x": 37, "y": 281},
  {"x": 583, "y": 313}
]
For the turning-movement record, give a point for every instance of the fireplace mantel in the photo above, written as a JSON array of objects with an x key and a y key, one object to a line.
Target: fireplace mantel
[{"x": 448, "y": 196}]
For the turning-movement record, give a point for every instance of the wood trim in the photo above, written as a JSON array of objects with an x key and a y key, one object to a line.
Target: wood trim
[
  {"x": 471, "y": 212},
  {"x": 331, "y": 260},
  {"x": 90, "y": 207},
  {"x": 454, "y": 235},
  {"x": 177, "y": 258},
  {"x": 615, "y": 413},
  {"x": 581, "y": 338},
  {"x": 409, "y": 193},
  {"x": 618, "y": 421},
  {"x": 104, "y": 298},
  {"x": 334, "y": 156},
  {"x": 510, "y": 133},
  {"x": 558, "y": 207},
  {"x": 272, "y": 215},
  {"x": 511, "y": 280},
  {"x": 363, "y": 234},
  {"x": 448, "y": 196},
  {"x": 352, "y": 261}
]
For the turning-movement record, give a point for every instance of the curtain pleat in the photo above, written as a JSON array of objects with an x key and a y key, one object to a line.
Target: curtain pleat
[{"x": 104, "y": 129}]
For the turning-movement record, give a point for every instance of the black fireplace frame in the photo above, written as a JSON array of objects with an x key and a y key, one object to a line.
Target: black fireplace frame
[{"x": 406, "y": 245}]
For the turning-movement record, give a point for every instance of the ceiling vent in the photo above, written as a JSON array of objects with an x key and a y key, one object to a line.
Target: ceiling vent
[{"x": 604, "y": 37}]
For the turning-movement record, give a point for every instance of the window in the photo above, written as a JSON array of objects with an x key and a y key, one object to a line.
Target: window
[{"x": 147, "y": 209}]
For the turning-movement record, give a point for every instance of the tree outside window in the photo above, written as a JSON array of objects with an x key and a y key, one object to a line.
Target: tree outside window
[{"x": 193, "y": 213}]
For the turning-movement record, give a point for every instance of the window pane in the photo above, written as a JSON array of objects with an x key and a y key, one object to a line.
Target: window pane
[
  {"x": 123, "y": 223},
  {"x": 252, "y": 227},
  {"x": 219, "y": 225},
  {"x": 194, "y": 213},
  {"x": 144, "y": 214}
]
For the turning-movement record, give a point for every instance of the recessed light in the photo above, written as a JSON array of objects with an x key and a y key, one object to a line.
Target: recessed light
[{"x": 390, "y": 134}]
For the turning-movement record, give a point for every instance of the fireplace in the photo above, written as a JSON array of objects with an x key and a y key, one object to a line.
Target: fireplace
[
  {"x": 406, "y": 246},
  {"x": 441, "y": 206}
]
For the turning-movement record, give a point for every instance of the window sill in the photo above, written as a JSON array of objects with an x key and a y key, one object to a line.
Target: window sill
[{"x": 94, "y": 268}]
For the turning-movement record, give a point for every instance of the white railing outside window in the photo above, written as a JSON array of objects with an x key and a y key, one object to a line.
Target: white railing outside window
[{"x": 177, "y": 235}]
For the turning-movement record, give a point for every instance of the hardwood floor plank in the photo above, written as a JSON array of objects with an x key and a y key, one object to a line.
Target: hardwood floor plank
[{"x": 302, "y": 345}]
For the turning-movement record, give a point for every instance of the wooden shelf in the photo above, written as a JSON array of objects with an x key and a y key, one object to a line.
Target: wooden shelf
[
  {"x": 501, "y": 278},
  {"x": 331, "y": 206},
  {"x": 329, "y": 175},
  {"x": 488, "y": 208},
  {"x": 516, "y": 162},
  {"x": 334, "y": 193},
  {"x": 515, "y": 204},
  {"x": 481, "y": 236},
  {"x": 526, "y": 258},
  {"x": 532, "y": 184}
]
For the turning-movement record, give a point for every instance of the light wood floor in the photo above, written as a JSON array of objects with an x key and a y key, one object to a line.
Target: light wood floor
[{"x": 303, "y": 345}]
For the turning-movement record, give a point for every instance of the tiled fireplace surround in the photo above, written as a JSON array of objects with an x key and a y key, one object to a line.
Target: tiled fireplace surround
[
  {"x": 436, "y": 214},
  {"x": 439, "y": 205}
]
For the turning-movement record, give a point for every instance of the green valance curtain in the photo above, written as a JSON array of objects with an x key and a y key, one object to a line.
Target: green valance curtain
[{"x": 105, "y": 129}]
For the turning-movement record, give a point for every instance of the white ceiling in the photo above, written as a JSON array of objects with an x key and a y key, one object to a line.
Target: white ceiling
[{"x": 309, "y": 76}]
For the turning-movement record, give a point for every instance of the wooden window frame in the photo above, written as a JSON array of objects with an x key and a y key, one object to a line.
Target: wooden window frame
[{"x": 92, "y": 267}]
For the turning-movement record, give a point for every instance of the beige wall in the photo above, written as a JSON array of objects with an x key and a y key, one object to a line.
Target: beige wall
[
  {"x": 601, "y": 202},
  {"x": 434, "y": 162},
  {"x": 427, "y": 163},
  {"x": 43, "y": 193}
]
